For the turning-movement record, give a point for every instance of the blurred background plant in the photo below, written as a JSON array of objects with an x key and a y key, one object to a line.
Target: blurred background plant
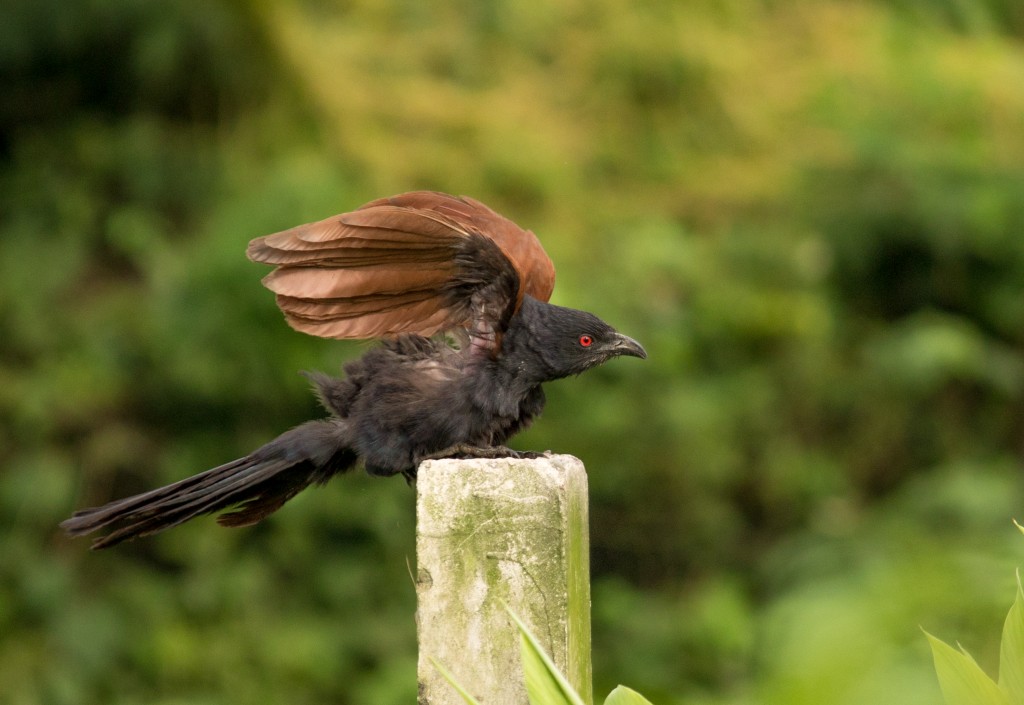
[
  {"x": 810, "y": 212},
  {"x": 965, "y": 683}
]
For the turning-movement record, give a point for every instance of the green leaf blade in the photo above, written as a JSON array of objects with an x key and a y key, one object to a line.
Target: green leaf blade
[
  {"x": 1011, "y": 651},
  {"x": 961, "y": 678},
  {"x": 541, "y": 686},
  {"x": 625, "y": 696},
  {"x": 545, "y": 684},
  {"x": 469, "y": 699}
]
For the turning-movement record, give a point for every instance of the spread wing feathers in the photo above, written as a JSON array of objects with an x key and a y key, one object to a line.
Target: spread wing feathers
[{"x": 419, "y": 262}]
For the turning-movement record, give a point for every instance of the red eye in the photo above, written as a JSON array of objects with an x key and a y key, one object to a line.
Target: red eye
[{"x": 586, "y": 341}]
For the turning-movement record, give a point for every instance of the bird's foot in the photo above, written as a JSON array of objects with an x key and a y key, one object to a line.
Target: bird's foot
[{"x": 466, "y": 451}]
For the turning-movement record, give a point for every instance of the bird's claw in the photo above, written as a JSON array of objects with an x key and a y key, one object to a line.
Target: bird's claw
[{"x": 464, "y": 451}]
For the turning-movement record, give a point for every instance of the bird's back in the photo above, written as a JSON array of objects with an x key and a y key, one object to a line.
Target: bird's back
[{"x": 413, "y": 396}]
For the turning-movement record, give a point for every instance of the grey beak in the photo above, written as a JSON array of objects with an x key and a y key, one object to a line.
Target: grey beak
[{"x": 624, "y": 345}]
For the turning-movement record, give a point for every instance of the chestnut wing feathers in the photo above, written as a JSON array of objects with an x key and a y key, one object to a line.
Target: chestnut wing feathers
[{"x": 420, "y": 262}]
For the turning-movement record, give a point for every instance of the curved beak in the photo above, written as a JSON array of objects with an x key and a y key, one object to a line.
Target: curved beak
[{"x": 624, "y": 345}]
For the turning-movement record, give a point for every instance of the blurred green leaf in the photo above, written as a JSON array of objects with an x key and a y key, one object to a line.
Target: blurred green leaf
[
  {"x": 1011, "y": 651},
  {"x": 962, "y": 680},
  {"x": 625, "y": 696}
]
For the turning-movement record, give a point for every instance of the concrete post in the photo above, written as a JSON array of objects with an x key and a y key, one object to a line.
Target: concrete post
[{"x": 490, "y": 531}]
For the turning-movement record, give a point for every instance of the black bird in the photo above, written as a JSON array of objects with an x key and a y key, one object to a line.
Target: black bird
[{"x": 406, "y": 269}]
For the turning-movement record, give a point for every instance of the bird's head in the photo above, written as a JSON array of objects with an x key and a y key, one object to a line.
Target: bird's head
[{"x": 569, "y": 342}]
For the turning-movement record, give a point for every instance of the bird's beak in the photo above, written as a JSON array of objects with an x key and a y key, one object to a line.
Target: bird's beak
[{"x": 624, "y": 345}]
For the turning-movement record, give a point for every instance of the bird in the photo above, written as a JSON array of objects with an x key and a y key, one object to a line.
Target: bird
[{"x": 458, "y": 296}]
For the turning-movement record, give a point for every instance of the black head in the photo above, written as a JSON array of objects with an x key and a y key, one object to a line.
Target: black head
[{"x": 569, "y": 341}]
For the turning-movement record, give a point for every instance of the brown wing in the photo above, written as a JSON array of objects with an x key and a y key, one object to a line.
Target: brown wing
[{"x": 419, "y": 262}]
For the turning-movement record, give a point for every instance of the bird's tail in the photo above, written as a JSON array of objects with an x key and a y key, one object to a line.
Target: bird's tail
[{"x": 259, "y": 484}]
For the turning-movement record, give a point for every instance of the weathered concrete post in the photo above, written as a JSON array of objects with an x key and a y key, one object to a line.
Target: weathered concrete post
[{"x": 490, "y": 531}]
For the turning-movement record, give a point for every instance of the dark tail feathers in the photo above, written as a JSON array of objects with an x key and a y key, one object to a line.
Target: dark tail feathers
[{"x": 259, "y": 483}]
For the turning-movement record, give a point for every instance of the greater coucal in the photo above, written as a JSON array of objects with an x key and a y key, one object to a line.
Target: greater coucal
[{"x": 404, "y": 269}]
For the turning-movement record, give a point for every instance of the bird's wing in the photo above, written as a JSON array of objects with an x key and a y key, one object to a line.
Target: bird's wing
[{"x": 419, "y": 262}]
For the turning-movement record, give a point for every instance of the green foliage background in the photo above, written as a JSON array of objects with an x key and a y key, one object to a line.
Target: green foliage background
[{"x": 811, "y": 213}]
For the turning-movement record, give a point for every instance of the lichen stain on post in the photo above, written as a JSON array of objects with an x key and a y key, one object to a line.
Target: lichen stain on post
[{"x": 501, "y": 531}]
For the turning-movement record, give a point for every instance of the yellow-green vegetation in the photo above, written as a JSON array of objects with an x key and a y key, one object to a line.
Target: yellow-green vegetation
[
  {"x": 965, "y": 683},
  {"x": 810, "y": 212}
]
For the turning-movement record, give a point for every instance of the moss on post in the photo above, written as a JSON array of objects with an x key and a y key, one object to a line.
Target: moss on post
[{"x": 494, "y": 531}]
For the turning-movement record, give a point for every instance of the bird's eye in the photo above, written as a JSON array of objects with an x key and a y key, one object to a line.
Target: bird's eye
[{"x": 586, "y": 341}]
